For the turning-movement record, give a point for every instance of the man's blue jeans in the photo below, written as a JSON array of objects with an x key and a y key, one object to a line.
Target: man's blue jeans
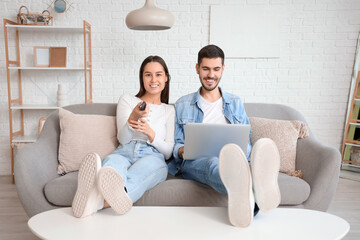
[
  {"x": 140, "y": 165},
  {"x": 204, "y": 170}
]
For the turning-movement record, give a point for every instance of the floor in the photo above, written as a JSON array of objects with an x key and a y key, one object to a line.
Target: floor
[
  {"x": 13, "y": 219},
  {"x": 352, "y": 173}
]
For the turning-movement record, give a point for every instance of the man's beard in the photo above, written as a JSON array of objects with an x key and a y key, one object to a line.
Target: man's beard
[{"x": 212, "y": 87}]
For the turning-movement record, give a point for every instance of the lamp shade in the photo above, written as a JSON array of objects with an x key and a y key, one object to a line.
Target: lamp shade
[{"x": 149, "y": 17}]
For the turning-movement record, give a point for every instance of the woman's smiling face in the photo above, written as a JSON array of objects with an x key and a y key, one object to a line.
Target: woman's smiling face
[{"x": 154, "y": 78}]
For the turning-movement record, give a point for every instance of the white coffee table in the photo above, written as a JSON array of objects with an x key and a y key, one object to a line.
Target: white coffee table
[{"x": 187, "y": 223}]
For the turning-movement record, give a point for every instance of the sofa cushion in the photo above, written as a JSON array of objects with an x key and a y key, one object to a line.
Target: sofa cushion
[
  {"x": 293, "y": 190},
  {"x": 82, "y": 134},
  {"x": 176, "y": 191},
  {"x": 61, "y": 191},
  {"x": 285, "y": 135}
]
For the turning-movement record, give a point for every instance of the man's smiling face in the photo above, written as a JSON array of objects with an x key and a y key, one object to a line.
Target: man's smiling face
[{"x": 210, "y": 71}]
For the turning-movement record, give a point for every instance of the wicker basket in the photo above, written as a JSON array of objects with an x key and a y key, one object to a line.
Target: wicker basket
[{"x": 34, "y": 18}]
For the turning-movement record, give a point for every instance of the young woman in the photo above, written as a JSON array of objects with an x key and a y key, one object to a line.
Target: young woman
[{"x": 146, "y": 139}]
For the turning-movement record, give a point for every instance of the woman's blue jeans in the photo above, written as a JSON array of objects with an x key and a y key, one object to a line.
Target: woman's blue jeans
[{"x": 140, "y": 165}]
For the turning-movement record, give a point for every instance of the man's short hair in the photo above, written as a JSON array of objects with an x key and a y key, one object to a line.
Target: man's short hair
[{"x": 211, "y": 51}]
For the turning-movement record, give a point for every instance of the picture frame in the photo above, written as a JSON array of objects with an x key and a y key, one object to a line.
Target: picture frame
[
  {"x": 58, "y": 56},
  {"x": 249, "y": 26},
  {"x": 42, "y": 56},
  {"x": 50, "y": 56}
]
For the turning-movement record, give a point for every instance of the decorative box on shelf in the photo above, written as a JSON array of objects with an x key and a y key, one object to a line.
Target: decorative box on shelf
[{"x": 28, "y": 18}]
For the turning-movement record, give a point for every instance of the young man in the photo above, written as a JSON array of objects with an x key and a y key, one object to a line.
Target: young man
[{"x": 229, "y": 173}]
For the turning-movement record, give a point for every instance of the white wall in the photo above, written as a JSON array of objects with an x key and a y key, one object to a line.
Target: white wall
[{"x": 318, "y": 42}]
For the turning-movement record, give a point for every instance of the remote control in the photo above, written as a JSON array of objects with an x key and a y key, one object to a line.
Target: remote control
[{"x": 143, "y": 106}]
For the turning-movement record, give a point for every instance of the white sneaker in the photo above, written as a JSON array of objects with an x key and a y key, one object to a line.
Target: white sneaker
[
  {"x": 265, "y": 165},
  {"x": 111, "y": 185},
  {"x": 87, "y": 199},
  {"x": 235, "y": 174}
]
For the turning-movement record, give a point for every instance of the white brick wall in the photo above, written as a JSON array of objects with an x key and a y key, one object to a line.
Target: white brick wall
[{"x": 318, "y": 42}]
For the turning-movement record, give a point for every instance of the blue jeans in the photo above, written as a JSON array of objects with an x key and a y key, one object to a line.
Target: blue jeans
[
  {"x": 140, "y": 165},
  {"x": 204, "y": 170}
]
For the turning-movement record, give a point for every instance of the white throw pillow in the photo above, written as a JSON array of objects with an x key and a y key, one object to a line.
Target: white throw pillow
[
  {"x": 285, "y": 135},
  {"x": 82, "y": 134}
]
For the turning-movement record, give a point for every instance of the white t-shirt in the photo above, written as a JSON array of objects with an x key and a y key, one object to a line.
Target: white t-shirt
[
  {"x": 213, "y": 111},
  {"x": 161, "y": 119}
]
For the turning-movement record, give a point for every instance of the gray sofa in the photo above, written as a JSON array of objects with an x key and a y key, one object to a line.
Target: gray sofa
[{"x": 40, "y": 188}]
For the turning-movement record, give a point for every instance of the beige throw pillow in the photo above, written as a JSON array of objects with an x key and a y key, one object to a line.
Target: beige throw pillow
[
  {"x": 82, "y": 134},
  {"x": 284, "y": 134}
]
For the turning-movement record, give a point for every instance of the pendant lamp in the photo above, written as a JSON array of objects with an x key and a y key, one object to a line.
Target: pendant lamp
[{"x": 149, "y": 17}]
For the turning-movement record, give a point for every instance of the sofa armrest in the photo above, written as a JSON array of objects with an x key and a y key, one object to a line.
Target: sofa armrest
[
  {"x": 34, "y": 166},
  {"x": 321, "y": 168}
]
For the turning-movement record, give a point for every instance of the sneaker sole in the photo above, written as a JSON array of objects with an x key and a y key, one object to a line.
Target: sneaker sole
[
  {"x": 235, "y": 174},
  {"x": 111, "y": 185},
  {"x": 265, "y": 164},
  {"x": 86, "y": 193}
]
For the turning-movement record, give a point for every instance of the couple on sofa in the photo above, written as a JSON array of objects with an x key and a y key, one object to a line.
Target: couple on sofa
[{"x": 152, "y": 134}]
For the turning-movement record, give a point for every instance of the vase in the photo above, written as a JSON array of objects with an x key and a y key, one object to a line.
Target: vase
[{"x": 61, "y": 96}]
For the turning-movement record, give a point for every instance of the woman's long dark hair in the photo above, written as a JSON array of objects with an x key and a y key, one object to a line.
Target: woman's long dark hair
[{"x": 165, "y": 92}]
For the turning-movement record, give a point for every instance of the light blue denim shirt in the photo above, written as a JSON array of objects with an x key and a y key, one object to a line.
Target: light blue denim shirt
[{"x": 188, "y": 109}]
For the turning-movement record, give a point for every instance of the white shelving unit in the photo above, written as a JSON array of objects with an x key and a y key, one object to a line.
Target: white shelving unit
[
  {"x": 24, "y": 139},
  {"x": 46, "y": 68},
  {"x": 34, "y": 106},
  {"x": 16, "y": 104},
  {"x": 353, "y": 123}
]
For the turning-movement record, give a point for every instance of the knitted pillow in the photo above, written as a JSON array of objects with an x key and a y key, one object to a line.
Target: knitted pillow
[
  {"x": 284, "y": 134},
  {"x": 82, "y": 134}
]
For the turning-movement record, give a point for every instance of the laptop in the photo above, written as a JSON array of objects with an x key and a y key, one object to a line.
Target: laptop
[{"x": 207, "y": 139}]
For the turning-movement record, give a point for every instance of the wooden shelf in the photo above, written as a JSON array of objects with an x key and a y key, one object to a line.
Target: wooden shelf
[
  {"x": 24, "y": 139},
  {"x": 352, "y": 162},
  {"x": 352, "y": 144},
  {"x": 34, "y": 106},
  {"x": 356, "y": 142},
  {"x": 33, "y": 27},
  {"x": 47, "y": 68}
]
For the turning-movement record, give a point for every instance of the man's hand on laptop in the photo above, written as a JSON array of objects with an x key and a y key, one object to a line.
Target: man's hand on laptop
[{"x": 181, "y": 152}]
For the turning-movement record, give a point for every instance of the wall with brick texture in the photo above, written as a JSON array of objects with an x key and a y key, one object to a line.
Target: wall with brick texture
[{"x": 313, "y": 73}]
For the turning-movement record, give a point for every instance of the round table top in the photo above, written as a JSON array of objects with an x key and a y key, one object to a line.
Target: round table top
[{"x": 187, "y": 223}]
